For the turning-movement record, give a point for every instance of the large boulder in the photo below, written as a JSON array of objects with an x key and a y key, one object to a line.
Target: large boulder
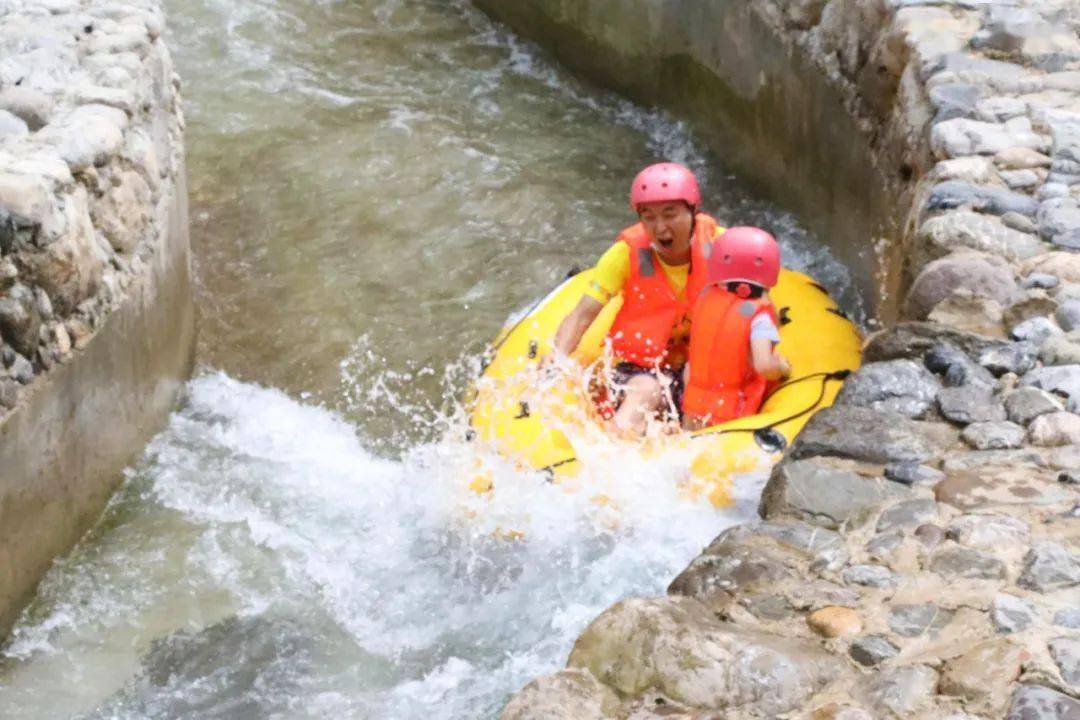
[
  {"x": 983, "y": 275},
  {"x": 811, "y": 491},
  {"x": 914, "y": 339},
  {"x": 676, "y": 647},
  {"x": 566, "y": 695},
  {"x": 902, "y": 386},
  {"x": 871, "y": 436}
]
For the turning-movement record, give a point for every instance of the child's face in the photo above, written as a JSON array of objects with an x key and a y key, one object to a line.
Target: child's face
[{"x": 669, "y": 225}]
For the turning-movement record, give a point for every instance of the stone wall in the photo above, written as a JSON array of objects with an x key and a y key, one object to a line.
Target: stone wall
[
  {"x": 919, "y": 549},
  {"x": 96, "y": 311}
]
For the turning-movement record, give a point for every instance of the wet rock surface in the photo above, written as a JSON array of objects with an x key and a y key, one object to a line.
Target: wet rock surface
[{"x": 81, "y": 83}]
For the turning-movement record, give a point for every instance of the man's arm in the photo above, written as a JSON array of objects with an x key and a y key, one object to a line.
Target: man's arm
[{"x": 574, "y": 325}]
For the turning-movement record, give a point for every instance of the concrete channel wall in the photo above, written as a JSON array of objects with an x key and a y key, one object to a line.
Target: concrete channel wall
[
  {"x": 97, "y": 323},
  {"x": 918, "y": 554}
]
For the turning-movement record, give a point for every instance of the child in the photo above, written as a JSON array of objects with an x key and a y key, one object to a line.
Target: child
[{"x": 732, "y": 343}]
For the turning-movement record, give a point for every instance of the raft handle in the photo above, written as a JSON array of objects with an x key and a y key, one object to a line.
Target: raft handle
[
  {"x": 534, "y": 348},
  {"x": 524, "y": 411}
]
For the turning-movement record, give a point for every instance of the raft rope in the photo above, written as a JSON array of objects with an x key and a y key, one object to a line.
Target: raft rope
[{"x": 825, "y": 377}]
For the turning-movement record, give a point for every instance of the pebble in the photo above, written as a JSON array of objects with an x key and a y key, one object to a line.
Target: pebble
[
  {"x": 993, "y": 435},
  {"x": 1048, "y": 567},
  {"x": 1011, "y": 614},
  {"x": 834, "y": 621},
  {"x": 872, "y": 650}
]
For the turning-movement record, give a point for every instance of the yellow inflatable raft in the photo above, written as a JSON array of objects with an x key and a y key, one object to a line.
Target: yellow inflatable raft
[{"x": 535, "y": 416}]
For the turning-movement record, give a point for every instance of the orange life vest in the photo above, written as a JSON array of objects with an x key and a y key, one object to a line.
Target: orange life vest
[
  {"x": 722, "y": 384},
  {"x": 642, "y": 332}
]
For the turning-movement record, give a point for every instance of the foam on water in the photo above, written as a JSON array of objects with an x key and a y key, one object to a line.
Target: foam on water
[{"x": 400, "y": 587}]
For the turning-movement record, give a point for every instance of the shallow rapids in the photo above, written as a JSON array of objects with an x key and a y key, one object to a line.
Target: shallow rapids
[{"x": 376, "y": 186}]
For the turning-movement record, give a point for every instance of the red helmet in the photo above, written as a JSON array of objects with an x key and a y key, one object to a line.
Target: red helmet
[
  {"x": 664, "y": 182},
  {"x": 745, "y": 253}
]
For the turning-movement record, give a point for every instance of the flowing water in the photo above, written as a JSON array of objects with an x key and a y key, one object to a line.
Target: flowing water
[{"x": 376, "y": 186}]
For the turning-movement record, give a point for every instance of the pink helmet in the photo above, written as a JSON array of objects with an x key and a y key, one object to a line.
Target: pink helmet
[
  {"x": 748, "y": 254},
  {"x": 664, "y": 182}
]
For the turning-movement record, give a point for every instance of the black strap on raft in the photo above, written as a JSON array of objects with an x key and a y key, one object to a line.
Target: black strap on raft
[{"x": 766, "y": 435}]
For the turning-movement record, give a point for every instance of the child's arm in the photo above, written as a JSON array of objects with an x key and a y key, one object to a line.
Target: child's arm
[{"x": 767, "y": 362}]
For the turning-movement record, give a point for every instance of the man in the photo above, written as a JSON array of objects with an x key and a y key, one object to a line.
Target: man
[{"x": 659, "y": 265}]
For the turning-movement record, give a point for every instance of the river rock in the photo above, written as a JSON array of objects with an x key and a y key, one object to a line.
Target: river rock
[
  {"x": 914, "y": 339},
  {"x": 929, "y": 535},
  {"x": 20, "y": 322},
  {"x": 901, "y": 690},
  {"x": 1020, "y": 223},
  {"x": 983, "y": 676},
  {"x": 831, "y": 622},
  {"x": 915, "y": 620},
  {"x": 122, "y": 215},
  {"x": 1064, "y": 265},
  {"x": 32, "y": 106},
  {"x": 961, "y": 137},
  {"x": 815, "y": 493},
  {"x": 1057, "y": 221},
  {"x": 1068, "y": 315},
  {"x": 913, "y": 474},
  {"x": 1061, "y": 349},
  {"x": 1021, "y": 158},
  {"x": 1048, "y": 567},
  {"x": 967, "y": 564},
  {"x": 942, "y": 234},
  {"x": 1018, "y": 358},
  {"x": 1068, "y": 618},
  {"x": 1054, "y": 429},
  {"x": 971, "y": 170},
  {"x": 566, "y": 695},
  {"x": 1035, "y": 330},
  {"x": 901, "y": 386},
  {"x": 675, "y": 646},
  {"x": 1066, "y": 653},
  {"x": 984, "y": 275},
  {"x": 1027, "y": 403},
  {"x": 954, "y": 194},
  {"x": 733, "y": 564},
  {"x": 876, "y": 576},
  {"x": 871, "y": 436},
  {"x": 1029, "y": 304},
  {"x": 884, "y": 546},
  {"x": 993, "y": 435},
  {"x": 955, "y": 100},
  {"x": 956, "y": 367},
  {"x": 965, "y": 310},
  {"x": 970, "y": 403},
  {"x": 1011, "y": 614},
  {"x": 1060, "y": 379},
  {"x": 824, "y": 548},
  {"x": 990, "y": 532},
  {"x": 907, "y": 514},
  {"x": 872, "y": 650},
  {"x": 88, "y": 135},
  {"x": 1034, "y": 702},
  {"x": 1043, "y": 281}
]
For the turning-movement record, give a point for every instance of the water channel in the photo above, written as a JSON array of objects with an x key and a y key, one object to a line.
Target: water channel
[{"x": 376, "y": 185}]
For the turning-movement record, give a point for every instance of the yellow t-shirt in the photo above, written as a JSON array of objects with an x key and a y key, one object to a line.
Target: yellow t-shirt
[{"x": 613, "y": 269}]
